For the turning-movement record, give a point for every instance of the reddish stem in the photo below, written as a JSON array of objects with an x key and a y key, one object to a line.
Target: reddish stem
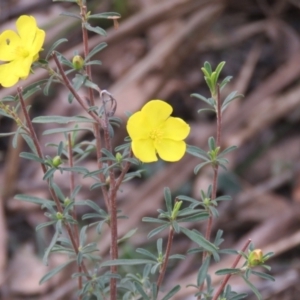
[
  {"x": 227, "y": 277},
  {"x": 167, "y": 255}
]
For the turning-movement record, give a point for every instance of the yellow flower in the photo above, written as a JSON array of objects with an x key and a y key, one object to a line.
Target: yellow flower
[
  {"x": 19, "y": 50},
  {"x": 152, "y": 131}
]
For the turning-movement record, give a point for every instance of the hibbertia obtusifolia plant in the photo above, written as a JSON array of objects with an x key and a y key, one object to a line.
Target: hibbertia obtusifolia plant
[{"x": 153, "y": 134}]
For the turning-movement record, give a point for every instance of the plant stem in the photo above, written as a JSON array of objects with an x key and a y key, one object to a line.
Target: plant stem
[
  {"x": 166, "y": 259},
  {"x": 215, "y": 175},
  {"x": 52, "y": 192},
  {"x": 227, "y": 277},
  {"x": 74, "y": 214}
]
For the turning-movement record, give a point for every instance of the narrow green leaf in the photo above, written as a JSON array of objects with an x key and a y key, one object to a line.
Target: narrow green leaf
[
  {"x": 7, "y": 134},
  {"x": 253, "y": 288},
  {"x": 55, "y": 45},
  {"x": 228, "y": 271},
  {"x": 69, "y": 14},
  {"x": 62, "y": 120},
  {"x": 31, "y": 156},
  {"x": 196, "y": 151},
  {"x": 200, "y": 166},
  {"x": 200, "y": 240},
  {"x": 65, "y": 130},
  {"x": 173, "y": 291},
  {"x": 141, "y": 291},
  {"x": 197, "y": 217},
  {"x": 49, "y": 248},
  {"x": 126, "y": 262},
  {"x": 55, "y": 271},
  {"x": 157, "y": 230},
  {"x": 263, "y": 275},
  {"x": 95, "y": 50},
  {"x": 96, "y": 29},
  {"x": 202, "y": 98},
  {"x": 168, "y": 199},
  {"x": 154, "y": 220},
  {"x": 203, "y": 271},
  {"x": 128, "y": 235},
  {"x": 105, "y": 15},
  {"x": 32, "y": 199},
  {"x": 146, "y": 253}
]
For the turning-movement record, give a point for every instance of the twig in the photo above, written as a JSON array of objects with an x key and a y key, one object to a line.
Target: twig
[
  {"x": 227, "y": 277},
  {"x": 166, "y": 259},
  {"x": 52, "y": 192}
]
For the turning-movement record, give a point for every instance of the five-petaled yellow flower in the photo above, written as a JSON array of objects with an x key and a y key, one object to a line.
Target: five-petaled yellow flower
[
  {"x": 153, "y": 132},
  {"x": 19, "y": 50}
]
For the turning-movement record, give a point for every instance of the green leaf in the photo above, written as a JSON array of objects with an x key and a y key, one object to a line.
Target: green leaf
[
  {"x": 69, "y": 14},
  {"x": 49, "y": 248},
  {"x": 196, "y": 217},
  {"x": 203, "y": 271},
  {"x": 32, "y": 199},
  {"x": 31, "y": 156},
  {"x": 253, "y": 288},
  {"x": 141, "y": 291},
  {"x": 263, "y": 275},
  {"x": 226, "y": 271},
  {"x": 76, "y": 169},
  {"x": 200, "y": 240},
  {"x": 196, "y": 151},
  {"x": 154, "y": 220},
  {"x": 55, "y": 45},
  {"x": 168, "y": 199},
  {"x": 219, "y": 69},
  {"x": 225, "y": 81},
  {"x": 173, "y": 291},
  {"x": 200, "y": 166},
  {"x": 157, "y": 230},
  {"x": 126, "y": 262},
  {"x": 146, "y": 253},
  {"x": 65, "y": 130},
  {"x": 62, "y": 120},
  {"x": 7, "y": 134},
  {"x": 198, "y": 96},
  {"x": 128, "y": 235},
  {"x": 96, "y": 29},
  {"x": 95, "y": 50},
  {"x": 55, "y": 271},
  {"x": 106, "y": 15}
]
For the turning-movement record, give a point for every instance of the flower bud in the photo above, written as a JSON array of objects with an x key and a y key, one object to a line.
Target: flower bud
[
  {"x": 56, "y": 161},
  {"x": 119, "y": 157},
  {"x": 67, "y": 201},
  {"x": 255, "y": 257},
  {"x": 78, "y": 62}
]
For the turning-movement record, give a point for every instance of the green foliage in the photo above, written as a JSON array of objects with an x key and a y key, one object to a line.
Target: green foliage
[{"x": 182, "y": 214}]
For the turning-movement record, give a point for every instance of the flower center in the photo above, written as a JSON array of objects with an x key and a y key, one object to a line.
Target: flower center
[
  {"x": 21, "y": 52},
  {"x": 156, "y": 135}
]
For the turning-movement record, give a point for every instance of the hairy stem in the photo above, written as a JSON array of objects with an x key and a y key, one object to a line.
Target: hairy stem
[
  {"x": 227, "y": 277},
  {"x": 166, "y": 259},
  {"x": 215, "y": 175},
  {"x": 52, "y": 192}
]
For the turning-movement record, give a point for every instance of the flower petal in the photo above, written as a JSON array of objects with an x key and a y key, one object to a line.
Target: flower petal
[
  {"x": 23, "y": 67},
  {"x": 38, "y": 42},
  {"x": 144, "y": 150},
  {"x": 9, "y": 41},
  {"x": 170, "y": 150},
  {"x": 157, "y": 111},
  {"x": 8, "y": 77},
  {"x": 138, "y": 126},
  {"x": 26, "y": 26},
  {"x": 175, "y": 129}
]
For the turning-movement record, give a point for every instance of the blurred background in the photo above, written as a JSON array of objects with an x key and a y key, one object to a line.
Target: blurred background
[{"x": 157, "y": 53}]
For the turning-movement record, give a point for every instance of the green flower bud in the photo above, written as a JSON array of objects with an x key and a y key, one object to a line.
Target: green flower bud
[
  {"x": 56, "y": 161},
  {"x": 59, "y": 216},
  {"x": 67, "y": 201},
  {"x": 176, "y": 209},
  {"x": 78, "y": 62},
  {"x": 119, "y": 157},
  {"x": 255, "y": 258}
]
